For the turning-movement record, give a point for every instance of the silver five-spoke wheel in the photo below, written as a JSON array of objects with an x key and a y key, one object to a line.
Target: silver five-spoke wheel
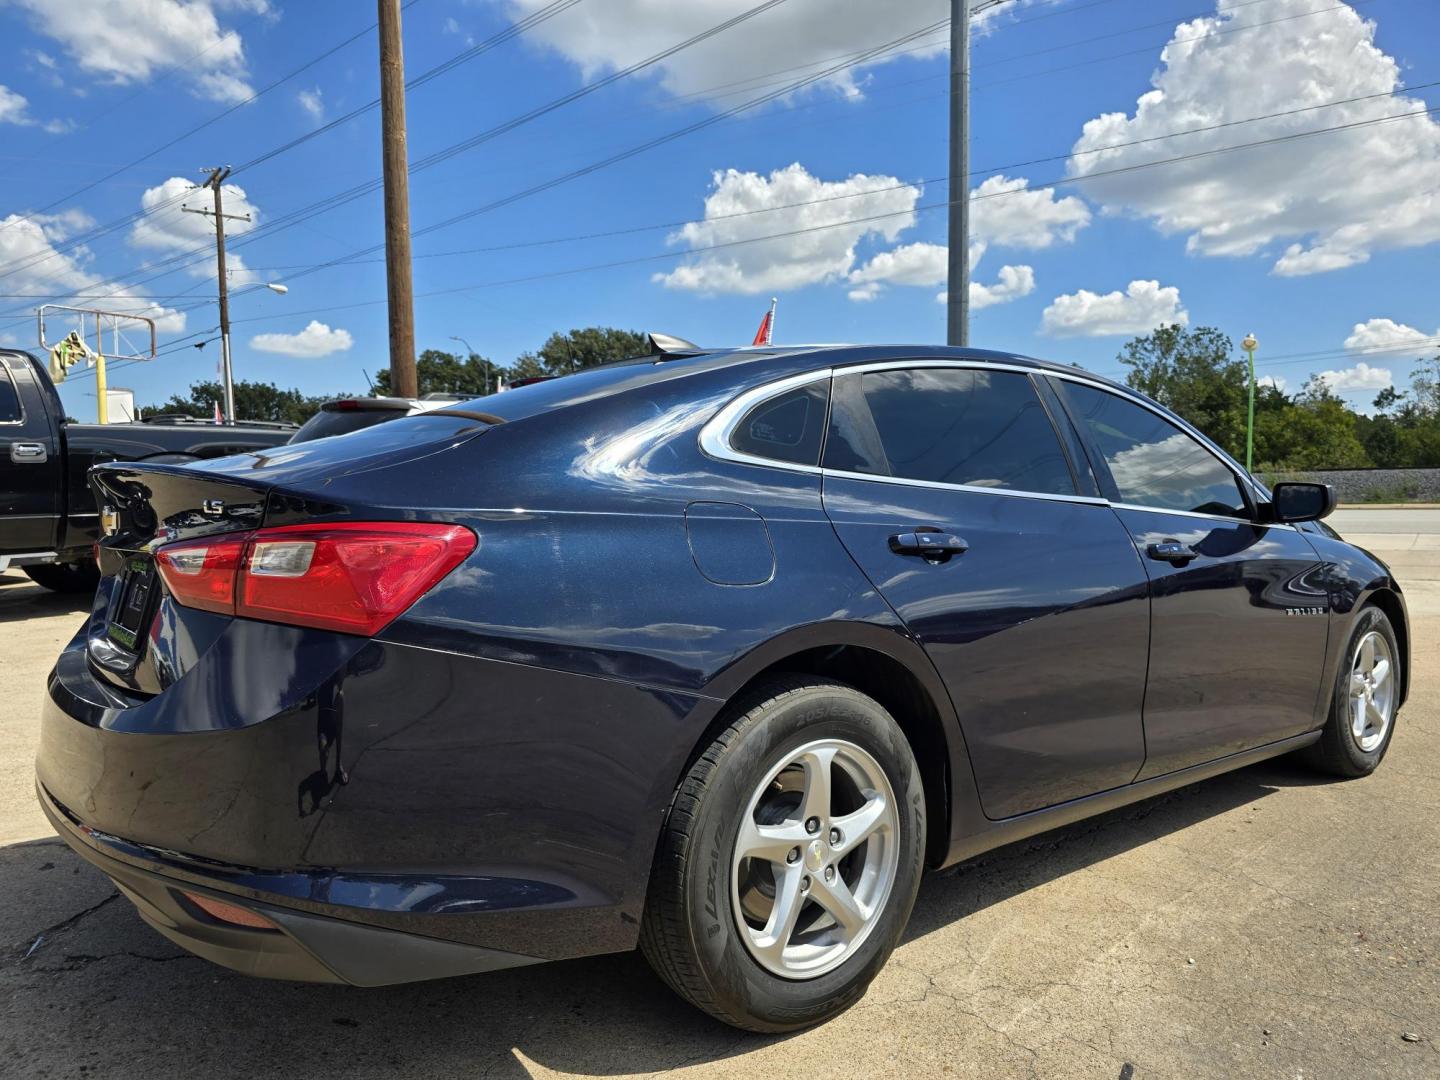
[
  {"x": 1372, "y": 692},
  {"x": 815, "y": 858}
]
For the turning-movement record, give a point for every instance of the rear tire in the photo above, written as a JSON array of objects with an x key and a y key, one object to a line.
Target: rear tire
[
  {"x": 807, "y": 768},
  {"x": 1362, "y": 707},
  {"x": 77, "y": 577}
]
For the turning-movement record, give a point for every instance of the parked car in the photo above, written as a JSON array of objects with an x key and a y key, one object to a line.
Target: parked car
[
  {"x": 344, "y": 415},
  {"x": 48, "y": 518},
  {"x": 713, "y": 654}
]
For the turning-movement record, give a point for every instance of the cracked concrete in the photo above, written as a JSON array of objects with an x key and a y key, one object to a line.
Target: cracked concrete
[{"x": 1307, "y": 907}]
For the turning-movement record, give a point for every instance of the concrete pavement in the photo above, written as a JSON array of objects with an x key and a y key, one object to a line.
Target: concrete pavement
[{"x": 1268, "y": 923}]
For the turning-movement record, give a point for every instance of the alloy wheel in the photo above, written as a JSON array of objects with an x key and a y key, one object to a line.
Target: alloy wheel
[
  {"x": 815, "y": 858},
  {"x": 1372, "y": 692}
]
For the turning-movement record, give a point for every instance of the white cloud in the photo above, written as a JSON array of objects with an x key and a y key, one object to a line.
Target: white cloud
[
  {"x": 1014, "y": 282},
  {"x": 788, "y": 262},
  {"x": 15, "y": 109},
  {"x": 1279, "y": 382},
  {"x": 171, "y": 230},
  {"x": 910, "y": 264},
  {"x": 314, "y": 341},
  {"x": 1004, "y": 211},
  {"x": 313, "y": 102},
  {"x": 1387, "y": 334},
  {"x": 128, "y": 41},
  {"x": 1142, "y": 307},
  {"x": 1360, "y": 377},
  {"x": 1333, "y": 199},
  {"x": 50, "y": 275},
  {"x": 740, "y": 63}
]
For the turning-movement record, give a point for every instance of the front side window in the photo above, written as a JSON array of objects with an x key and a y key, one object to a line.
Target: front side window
[
  {"x": 946, "y": 425},
  {"x": 9, "y": 397},
  {"x": 787, "y": 427},
  {"x": 1153, "y": 462}
]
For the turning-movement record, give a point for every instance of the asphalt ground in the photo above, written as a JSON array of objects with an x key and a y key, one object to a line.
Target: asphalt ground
[{"x": 1267, "y": 923}]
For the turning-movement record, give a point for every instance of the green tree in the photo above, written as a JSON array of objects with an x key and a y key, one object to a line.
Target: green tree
[
  {"x": 442, "y": 372},
  {"x": 1194, "y": 373},
  {"x": 253, "y": 401},
  {"x": 579, "y": 349}
]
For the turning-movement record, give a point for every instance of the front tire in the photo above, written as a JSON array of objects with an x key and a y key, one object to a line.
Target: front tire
[
  {"x": 788, "y": 866},
  {"x": 1363, "y": 702}
]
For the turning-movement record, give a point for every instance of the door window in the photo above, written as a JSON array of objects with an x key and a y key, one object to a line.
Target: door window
[
  {"x": 9, "y": 398},
  {"x": 1153, "y": 462},
  {"x": 946, "y": 425}
]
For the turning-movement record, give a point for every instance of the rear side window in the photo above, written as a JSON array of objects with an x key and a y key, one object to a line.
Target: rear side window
[
  {"x": 1153, "y": 462},
  {"x": 788, "y": 427},
  {"x": 947, "y": 425},
  {"x": 9, "y": 397}
]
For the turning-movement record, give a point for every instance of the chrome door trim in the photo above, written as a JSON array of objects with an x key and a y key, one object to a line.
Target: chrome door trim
[{"x": 715, "y": 435}]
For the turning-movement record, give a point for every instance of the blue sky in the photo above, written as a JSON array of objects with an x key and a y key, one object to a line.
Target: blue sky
[{"x": 1326, "y": 246}]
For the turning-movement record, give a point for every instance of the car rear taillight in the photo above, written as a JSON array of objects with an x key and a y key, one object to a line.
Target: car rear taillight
[
  {"x": 201, "y": 574},
  {"x": 351, "y": 577}
]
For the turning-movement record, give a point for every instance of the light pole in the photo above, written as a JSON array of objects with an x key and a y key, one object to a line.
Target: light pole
[
  {"x": 472, "y": 352},
  {"x": 1250, "y": 345}
]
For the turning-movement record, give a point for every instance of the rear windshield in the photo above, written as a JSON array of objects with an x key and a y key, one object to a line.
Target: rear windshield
[{"x": 329, "y": 422}]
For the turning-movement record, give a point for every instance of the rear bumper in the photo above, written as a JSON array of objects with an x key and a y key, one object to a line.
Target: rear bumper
[{"x": 303, "y": 947}]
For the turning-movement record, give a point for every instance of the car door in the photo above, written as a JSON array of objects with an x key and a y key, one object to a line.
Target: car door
[
  {"x": 950, "y": 488},
  {"x": 30, "y": 466},
  {"x": 1239, "y": 617}
]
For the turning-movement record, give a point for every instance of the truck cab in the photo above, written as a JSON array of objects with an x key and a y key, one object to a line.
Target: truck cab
[{"x": 48, "y": 517}]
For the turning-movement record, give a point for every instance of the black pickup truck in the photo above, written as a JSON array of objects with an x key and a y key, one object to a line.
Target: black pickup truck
[{"x": 48, "y": 518}]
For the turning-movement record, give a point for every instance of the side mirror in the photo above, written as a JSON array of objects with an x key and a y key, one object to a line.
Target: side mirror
[{"x": 1292, "y": 502}]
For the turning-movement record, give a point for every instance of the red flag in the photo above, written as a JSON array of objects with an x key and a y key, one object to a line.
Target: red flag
[{"x": 762, "y": 336}]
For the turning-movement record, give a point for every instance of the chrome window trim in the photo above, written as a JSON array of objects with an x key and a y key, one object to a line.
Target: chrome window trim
[
  {"x": 715, "y": 435},
  {"x": 9, "y": 375}
]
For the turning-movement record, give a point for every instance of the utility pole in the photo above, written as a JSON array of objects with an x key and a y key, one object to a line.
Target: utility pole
[
  {"x": 399, "y": 289},
  {"x": 227, "y": 378},
  {"x": 957, "y": 305},
  {"x": 1250, "y": 345},
  {"x": 476, "y": 356}
]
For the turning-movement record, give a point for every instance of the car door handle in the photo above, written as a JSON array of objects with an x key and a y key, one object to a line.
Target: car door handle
[
  {"x": 1171, "y": 551},
  {"x": 930, "y": 545},
  {"x": 28, "y": 453}
]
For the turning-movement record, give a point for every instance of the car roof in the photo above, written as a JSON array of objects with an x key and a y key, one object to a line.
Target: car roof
[{"x": 752, "y": 366}]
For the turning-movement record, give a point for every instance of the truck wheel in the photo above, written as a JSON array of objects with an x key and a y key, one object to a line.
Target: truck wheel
[
  {"x": 76, "y": 577},
  {"x": 789, "y": 863}
]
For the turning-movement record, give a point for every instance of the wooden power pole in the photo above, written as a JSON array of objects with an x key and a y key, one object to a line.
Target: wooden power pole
[
  {"x": 399, "y": 288},
  {"x": 227, "y": 371}
]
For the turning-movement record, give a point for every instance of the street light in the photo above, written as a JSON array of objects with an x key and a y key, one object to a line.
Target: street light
[
  {"x": 277, "y": 288},
  {"x": 472, "y": 352},
  {"x": 1250, "y": 345}
]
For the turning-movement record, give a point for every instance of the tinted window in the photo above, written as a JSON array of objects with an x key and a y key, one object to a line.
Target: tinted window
[
  {"x": 329, "y": 422},
  {"x": 1152, "y": 461},
  {"x": 785, "y": 428},
  {"x": 949, "y": 425},
  {"x": 9, "y": 397}
]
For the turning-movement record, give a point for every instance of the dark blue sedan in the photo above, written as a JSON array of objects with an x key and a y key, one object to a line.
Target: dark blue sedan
[{"x": 712, "y": 652}]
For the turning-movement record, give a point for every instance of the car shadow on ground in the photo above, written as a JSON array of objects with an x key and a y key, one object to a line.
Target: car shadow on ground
[
  {"x": 21, "y": 598},
  {"x": 97, "y": 976}
]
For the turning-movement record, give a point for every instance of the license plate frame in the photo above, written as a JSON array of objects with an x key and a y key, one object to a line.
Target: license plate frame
[{"x": 134, "y": 603}]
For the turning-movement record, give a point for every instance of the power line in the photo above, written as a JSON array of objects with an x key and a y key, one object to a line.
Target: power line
[
  {"x": 554, "y": 8},
  {"x": 850, "y": 222},
  {"x": 618, "y": 263}
]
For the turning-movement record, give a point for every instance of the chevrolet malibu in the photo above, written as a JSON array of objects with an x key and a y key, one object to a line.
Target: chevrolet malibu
[{"x": 709, "y": 652}]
